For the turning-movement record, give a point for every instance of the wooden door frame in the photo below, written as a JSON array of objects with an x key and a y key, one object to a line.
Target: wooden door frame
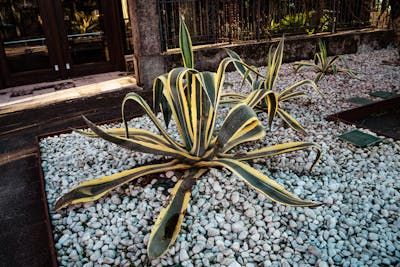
[
  {"x": 113, "y": 35},
  {"x": 40, "y": 75},
  {"x": 4, "y": 75},
  {"x": 51, "y": 13}
]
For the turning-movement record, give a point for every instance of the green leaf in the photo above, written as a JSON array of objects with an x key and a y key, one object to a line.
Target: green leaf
[
  {"x": 136, "y": 134},
  {"x": 95, "y": 189},
  {"x": 168, "y": 224},
  {"x": 240, "y": 120},
  {"x": 138, "y": 99},
  {"x": 240, "y": 67},
  {"x": 140, "y": 146},
  {"x": 185, "y": 44},
  {"x": 272, "y": 105},
  {"x": 276, "y": 150},
  {"x": 292, "y": 122},
  {"x": 306, "y": 82},
  {"x": 263, "y": 183},
  {"x": 274, "y": 64}
]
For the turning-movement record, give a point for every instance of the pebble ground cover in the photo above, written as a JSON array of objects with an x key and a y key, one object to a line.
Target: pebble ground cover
[{"x": 229, "y": 224}]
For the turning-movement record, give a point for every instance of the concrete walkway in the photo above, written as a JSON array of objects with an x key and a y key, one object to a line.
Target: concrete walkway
[{"x": 34, "y": 95}]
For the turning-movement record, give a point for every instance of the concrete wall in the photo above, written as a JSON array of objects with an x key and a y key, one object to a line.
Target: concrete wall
[
  {"x": 296, "y": 48},
  {"x": 150, "y": 61}
]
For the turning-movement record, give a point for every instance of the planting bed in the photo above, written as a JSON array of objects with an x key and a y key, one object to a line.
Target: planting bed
[
  {"x": 382, "y": 117},
  {"x": 229, "y": 224}
]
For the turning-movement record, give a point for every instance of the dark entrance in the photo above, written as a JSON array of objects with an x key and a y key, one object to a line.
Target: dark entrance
[{"x": 48, "y": 40}]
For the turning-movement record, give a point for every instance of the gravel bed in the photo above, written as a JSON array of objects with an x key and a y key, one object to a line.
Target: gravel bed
[{"x": 229, "y": 224}]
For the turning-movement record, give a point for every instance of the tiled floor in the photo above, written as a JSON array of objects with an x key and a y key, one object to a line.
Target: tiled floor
[{"x": 34, "y": 95}]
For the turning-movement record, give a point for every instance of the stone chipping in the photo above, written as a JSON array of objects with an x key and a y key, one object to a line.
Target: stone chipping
[{"x": 229, "y": 224}]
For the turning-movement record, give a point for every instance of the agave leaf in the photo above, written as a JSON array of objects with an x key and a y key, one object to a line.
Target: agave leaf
[
  {"x": 258, "y": 84},
  {"x": 332, "y": 60},
  {"x": 307, "y": 82},
  {"x": 300, "y": 65},
  {"x": 240, "y": 67},
  {"x": 201, "y": 113},
  {"x": 174, "y": 91},
  {"x": 137, "y": 134},
  {"x": 293, "y": 95},
  {"x": 349, "y": 72},
  {"x": 255, "y": 97},
  {"x": 140, "y": 146},
  {"x": 168, "y": 224},
  {"x": 185, "y": 44},
  {"x": 262, "y": 183},
  {"x": 272, "y": 106},
  {"x": 323, "y": 52},
  {"x": 319, "y": 76},
  {"x": 241, "y": 119},
  {"x": 320, "y": 62},
  {"x": 95, "y": 189},
  {"x": 274, "y": 64},
  {"x": 138, "y": 99},
  {"x": 292, "y": 122},
  {"x": 159, "y": 99},
  {"x": 276, "y": 150}
]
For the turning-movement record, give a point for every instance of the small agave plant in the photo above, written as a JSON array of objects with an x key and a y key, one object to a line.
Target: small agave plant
[
  {"x": 191, "y": 98},
  {"x": 264, "y": 88},
  {"x": 322, "y": 65}
]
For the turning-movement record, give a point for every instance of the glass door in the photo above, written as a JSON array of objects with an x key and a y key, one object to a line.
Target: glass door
[
  {"x": 42, "y": 40},
  {"x": 25, "y": 48},
  {"x": 91, "y": 30}
]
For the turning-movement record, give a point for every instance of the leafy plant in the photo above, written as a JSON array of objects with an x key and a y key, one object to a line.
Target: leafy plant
[
  {"x": 84, "y": 23},
  {"x": 322, "y": 65},
  {"x": 309, "y": 22},
  {"x": 268, "y": 100},
  {"x": 191, "y": 98}
]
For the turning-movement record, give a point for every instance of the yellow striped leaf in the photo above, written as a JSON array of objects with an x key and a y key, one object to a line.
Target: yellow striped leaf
[
  {"x": 276, "y": 150},
  {"x": 185, "y": 44},
  {"x": 292, "y": 122},
  {"x": 95, "y": 189},
  {"x": 168, "y": 224},
  {"x": 263, "y": 183}
]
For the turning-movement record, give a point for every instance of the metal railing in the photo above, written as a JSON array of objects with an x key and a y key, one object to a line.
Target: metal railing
[{"x": 217, "y": 21}]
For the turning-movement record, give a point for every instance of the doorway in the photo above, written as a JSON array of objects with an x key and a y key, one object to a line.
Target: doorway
[{"x": 42, "y": 40}]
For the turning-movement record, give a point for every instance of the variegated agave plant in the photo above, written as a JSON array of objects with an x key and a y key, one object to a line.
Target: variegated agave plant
[
  {"x": 264, "y": 87},
  {"x": 322, "y": 65},
  {"x": 192, "y": 98}
]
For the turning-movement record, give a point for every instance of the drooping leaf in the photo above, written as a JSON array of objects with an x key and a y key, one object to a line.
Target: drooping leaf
[
  {"x": 95, "y": 189},
  {"x": 240, "y": 67},
  {"x": 241, "y": 119},
  {"x": 276, "y": 150},
  {"x": 137, "y": 134},
  {"x": 292, "y": 122},
  {"x": 168, "y": 224},
  {"x": 262, "y": 183},
  {"x": 141, "y": 146},
  {"x": 138, "y": 99}
]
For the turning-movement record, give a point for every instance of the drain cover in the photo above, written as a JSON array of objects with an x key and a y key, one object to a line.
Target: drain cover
[
  {"x": 360, "y": 100},
  {"x": 383, "y": 94},
  {"x": 359, "y": 138}
]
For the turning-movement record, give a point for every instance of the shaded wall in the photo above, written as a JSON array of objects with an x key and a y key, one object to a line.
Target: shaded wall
[
  {"x": 151, "y": 62},
  {"x": 296, "y": 48}
]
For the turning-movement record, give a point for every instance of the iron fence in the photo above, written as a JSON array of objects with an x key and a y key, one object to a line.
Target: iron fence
[{"x": 216, "y": 21}]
